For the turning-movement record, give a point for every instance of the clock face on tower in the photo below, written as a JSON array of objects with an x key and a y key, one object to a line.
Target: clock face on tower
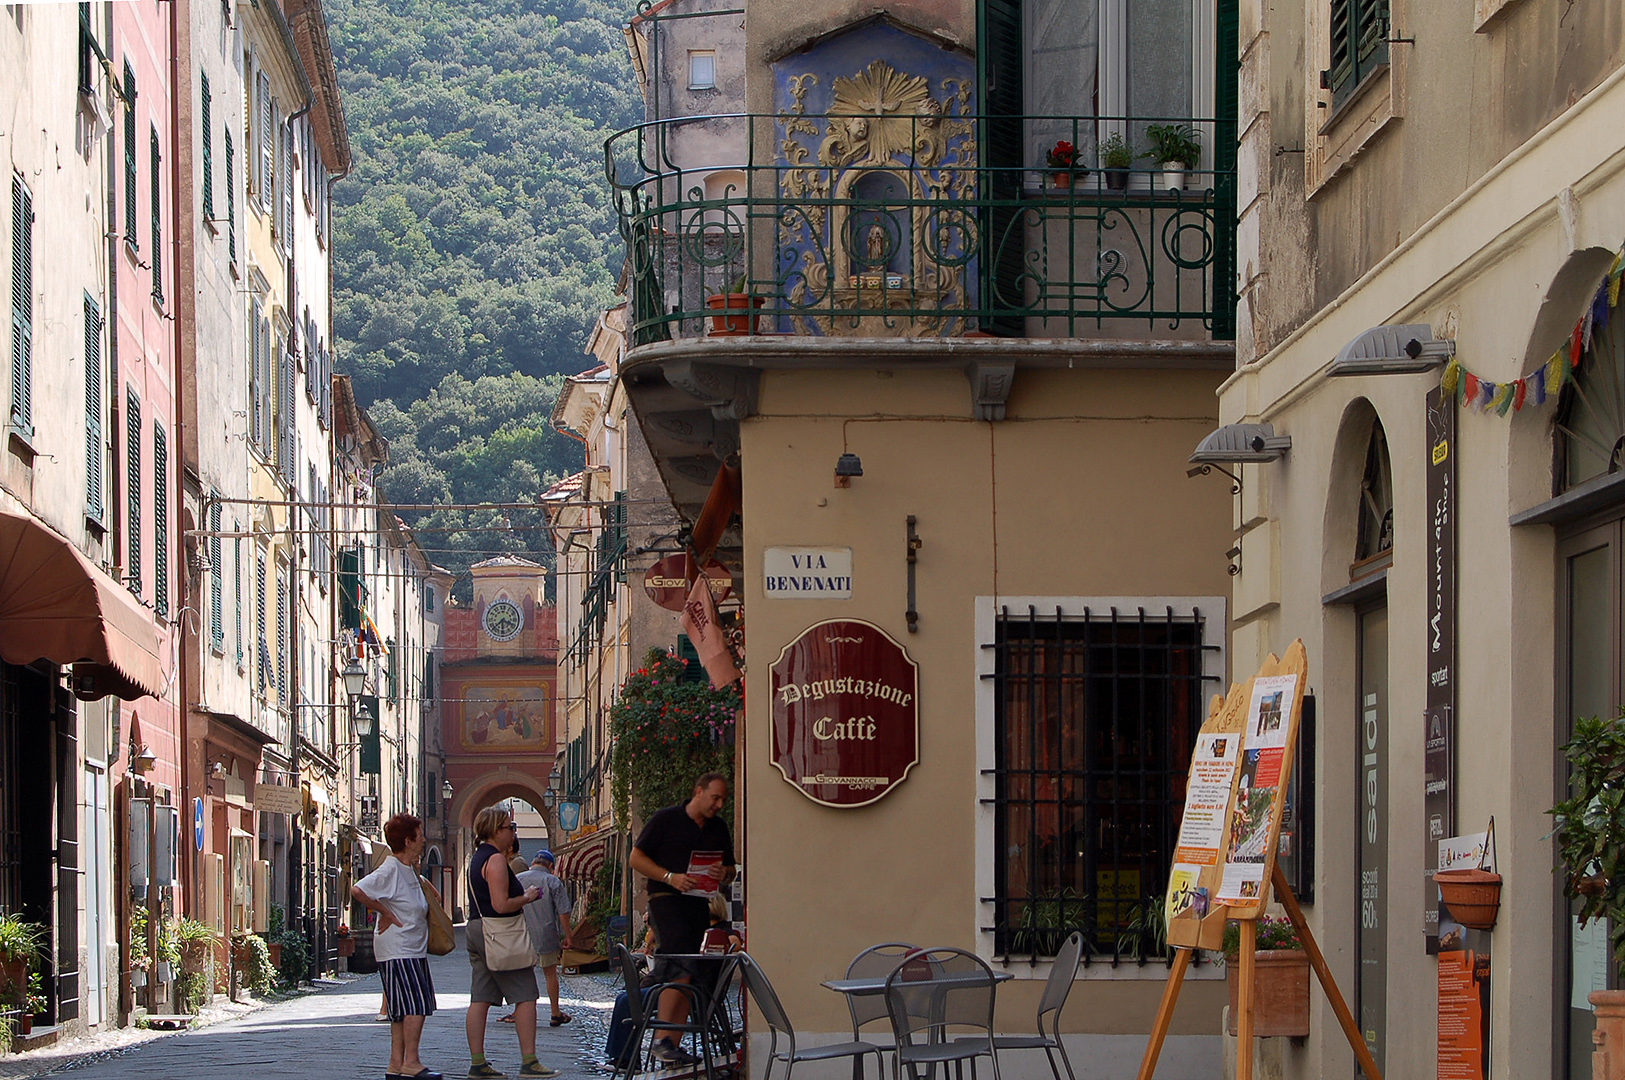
[{"x": 503, "y": 620}]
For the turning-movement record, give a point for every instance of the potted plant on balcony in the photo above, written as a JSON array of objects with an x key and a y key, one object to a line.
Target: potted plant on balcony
[
  {"x": 1280, "y": 978},
  {"x": 1176, "y": 147},
  {"x": 733, "y": 298},
  {"x": 1115, "y": 160},
  {"x": 1063, "y": 159},
  {"x": 1590, "y": 833}
]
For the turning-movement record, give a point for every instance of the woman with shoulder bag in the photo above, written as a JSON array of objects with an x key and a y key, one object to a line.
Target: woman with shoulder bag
[
  {"x": 499, "y": 946},
  {"x": 402, "y": 944}
]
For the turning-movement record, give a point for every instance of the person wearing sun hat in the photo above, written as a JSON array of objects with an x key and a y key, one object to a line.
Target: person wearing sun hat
[{"x": 549, "y": 922}]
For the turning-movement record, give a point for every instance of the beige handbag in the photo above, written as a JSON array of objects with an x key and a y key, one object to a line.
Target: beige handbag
[
  {"x": 442, "y": 936},
  {"x": 507, "y": 943}
]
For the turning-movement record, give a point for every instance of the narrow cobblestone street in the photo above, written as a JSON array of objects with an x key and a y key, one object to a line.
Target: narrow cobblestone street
[{"x": 333, "y": 1035}]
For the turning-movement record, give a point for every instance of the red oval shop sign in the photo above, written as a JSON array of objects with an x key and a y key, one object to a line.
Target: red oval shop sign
[
  {"x": 846, "y": 713},
  {"x": 667, "y": 581}
]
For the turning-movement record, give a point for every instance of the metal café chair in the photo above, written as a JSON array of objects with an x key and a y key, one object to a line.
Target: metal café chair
[
  {"x": 875, "y": 962},
  {"x": 931, "y": 997},
  {"x": 644, "y": 1019},
  {"x": 778, "y": 1023},
  {"x": 1062, "y": 973}
]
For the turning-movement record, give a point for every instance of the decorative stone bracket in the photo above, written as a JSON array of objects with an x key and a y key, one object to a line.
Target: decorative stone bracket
[
  {"x": 990, "y": 384},
  {"x": 729, "y": 391}
]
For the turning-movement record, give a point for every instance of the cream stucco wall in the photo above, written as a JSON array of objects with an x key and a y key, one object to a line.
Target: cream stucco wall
[
  {"x": 1080, "y": 492},
  {"x": 1504, "y": 269}
]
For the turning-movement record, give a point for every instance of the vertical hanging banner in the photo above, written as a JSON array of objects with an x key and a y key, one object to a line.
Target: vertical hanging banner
[{"x": 1439, "y": 715}]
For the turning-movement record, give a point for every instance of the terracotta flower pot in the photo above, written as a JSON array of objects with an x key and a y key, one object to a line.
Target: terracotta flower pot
[
  {"x": 1280, "y": 992},
  {"x": 25, "y": 1023},
  {"x": 1063, "y": 179},
  {"x": 1608, "y": 1059},
  {"x": 1473, "y": 896},
  {"x": 346, "y": 946},
  {"x": 725, "y": 324}
]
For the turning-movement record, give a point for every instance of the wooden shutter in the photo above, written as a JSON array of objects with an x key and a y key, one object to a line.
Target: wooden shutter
[
  {"x": 231, "y": 198},
  {"x": 129, "y": 156},
  {"x": 160, "y": 520},
  {"x": 132, "y": 482},
  {"x": 266, "y": 167},
  {"x": 284, "y": 633},
  {"x": 280, "y": 196},
  {"x": 208, "y": 146},
  {"x": 94, "y": 508},
  {"x": 255, "y": 435},
  {"x": 157, "y": 254},
  {"x": 288, "y": 389},
  {"x": 1003, "y": 57},
  {"x": 237, "y": 593},
  {"x": 217, "y": 574},
  {"x": 22, "y": 305},
  {"x": 262, "y": 651},
  {"x": 1359, "y": 45}
]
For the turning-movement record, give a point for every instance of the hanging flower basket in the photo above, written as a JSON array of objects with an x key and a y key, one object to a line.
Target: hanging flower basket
[{"x": 1473, "y": 896}]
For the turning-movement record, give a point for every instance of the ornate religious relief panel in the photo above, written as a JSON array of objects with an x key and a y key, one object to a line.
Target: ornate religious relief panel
[{"x": 875, "y": 234}]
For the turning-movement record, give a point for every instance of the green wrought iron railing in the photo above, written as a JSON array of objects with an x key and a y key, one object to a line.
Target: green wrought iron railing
[{"x": 886, "y": 225}]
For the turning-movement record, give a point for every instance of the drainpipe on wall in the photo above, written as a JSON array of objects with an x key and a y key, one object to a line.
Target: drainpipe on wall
[{"x": 178, "y": 459}]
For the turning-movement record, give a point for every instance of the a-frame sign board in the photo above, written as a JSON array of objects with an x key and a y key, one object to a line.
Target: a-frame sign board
[{"x": 1224, "y": 864}]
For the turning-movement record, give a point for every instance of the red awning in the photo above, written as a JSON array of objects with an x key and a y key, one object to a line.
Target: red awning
[
  {"x": 582, "y": 861},
  {"x": 56, "y": 605}
]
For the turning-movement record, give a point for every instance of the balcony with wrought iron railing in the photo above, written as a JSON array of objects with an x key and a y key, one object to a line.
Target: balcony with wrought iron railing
[{"x": 845, "y": 225}]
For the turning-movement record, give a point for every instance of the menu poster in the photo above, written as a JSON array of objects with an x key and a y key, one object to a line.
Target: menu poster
[
  {"x": 1464, "y": 1010},
  {"x": 1252, "y": 812},
  {"x": 705, "y": 871}
]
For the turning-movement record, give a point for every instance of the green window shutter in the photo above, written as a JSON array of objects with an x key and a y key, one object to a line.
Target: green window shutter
[
  {"x": 283, "y": 634},
  {"x": 370, "y": 753},
  {"x": 256, "y": 319},
  {"x": 94, "y": 508},
  {"x": 231, "y": 198},
  {"x": 129, "y": 156},
  {"x": 86, "y": 39},
  {"x": 262, "y": 648},
  {"x": 22, "y": 305},
  {"x": 393, "y": 671},
  {"x": 160, "y": 520},
  {"x": 1003, "y": 224},
  {"x": 266, "y": 174},
  {"x": 237, "y": 595},
  {"x": 1359, "y": 45},
  {"x": 132, "y": 462},
  {"x": 157, "y": 254},
  {"x": 208, "y": 146},
  {"x": 217, "y": 573}
]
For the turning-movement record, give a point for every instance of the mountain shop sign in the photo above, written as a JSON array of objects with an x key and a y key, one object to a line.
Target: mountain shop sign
[{"x": 846, "y": 713}]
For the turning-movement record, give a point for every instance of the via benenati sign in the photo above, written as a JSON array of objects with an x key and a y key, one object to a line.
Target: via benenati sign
[
  {"x": 846, "y": 713},
  {"x": 807, "y": 573}
]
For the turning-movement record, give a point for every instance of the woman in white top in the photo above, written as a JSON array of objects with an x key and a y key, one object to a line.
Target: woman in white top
[{"x": 401, "y": 944}]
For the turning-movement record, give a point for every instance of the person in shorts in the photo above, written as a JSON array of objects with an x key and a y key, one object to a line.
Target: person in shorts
[
  {"x": 679, "y": 908},
  {"x": 498, "y": 894},
  {"x": 549, "y": 922}
]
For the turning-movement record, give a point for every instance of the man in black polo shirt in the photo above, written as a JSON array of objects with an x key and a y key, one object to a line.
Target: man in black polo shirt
[{"x": 678, "y": 909}]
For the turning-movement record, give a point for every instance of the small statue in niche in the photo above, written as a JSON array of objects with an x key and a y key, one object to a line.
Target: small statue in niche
[{"x": 875, "y": 247}]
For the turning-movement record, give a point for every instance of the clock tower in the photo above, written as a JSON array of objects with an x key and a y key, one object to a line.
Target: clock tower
[{"x": 507, "y": 600}]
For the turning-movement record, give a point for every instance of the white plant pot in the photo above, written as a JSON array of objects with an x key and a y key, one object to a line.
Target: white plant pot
[
  {"x": 1173, "y": 176},
  {"x": 163, "y": 972}
]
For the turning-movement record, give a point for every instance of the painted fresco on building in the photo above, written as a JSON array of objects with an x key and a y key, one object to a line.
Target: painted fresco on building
[{"x": 506, "y": 717}]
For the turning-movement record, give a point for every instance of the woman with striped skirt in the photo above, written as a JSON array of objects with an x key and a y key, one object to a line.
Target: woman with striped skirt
[{"x": 401, "y": 943}]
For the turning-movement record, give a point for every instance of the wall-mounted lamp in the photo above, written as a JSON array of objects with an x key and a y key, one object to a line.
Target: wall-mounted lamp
[
  {"x": 1241, "y": 443},
  {"x": 355, "y": 677},
  {"x": 445, "y": 790},
  {"x": 142, "y": 760},
  {"x": 1392, "y": 350},
  {"x": 363, "y": 719},
  {"x": 847, "y": 466},
  {"x": 550, "y": 798}
]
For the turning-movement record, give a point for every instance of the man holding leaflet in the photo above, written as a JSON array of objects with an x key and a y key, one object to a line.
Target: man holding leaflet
[{"x": 687, "y": 853}]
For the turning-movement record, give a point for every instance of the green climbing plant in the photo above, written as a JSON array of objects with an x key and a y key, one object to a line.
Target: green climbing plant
[{"x": 668, "y": 729}]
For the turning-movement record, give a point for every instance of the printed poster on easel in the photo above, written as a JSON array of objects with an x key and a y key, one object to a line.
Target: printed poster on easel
[{"x": 1254, "y": 814}]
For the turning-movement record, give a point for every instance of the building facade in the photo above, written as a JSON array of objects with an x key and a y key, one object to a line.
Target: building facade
[
  {"x": 1444, "y": 536},
  {"x": 950, "y": 428}
]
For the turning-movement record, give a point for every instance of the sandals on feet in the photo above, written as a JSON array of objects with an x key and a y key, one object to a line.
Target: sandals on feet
[{"x": 559, "y": 1018}]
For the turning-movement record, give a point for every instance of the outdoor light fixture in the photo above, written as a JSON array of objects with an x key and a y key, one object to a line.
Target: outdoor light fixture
[
  {"x": 847, "y": 466},
  {"x": 355, "y": 677},
  {"x": 363, "y": 720},
  {"x": 1392, "y": 350},
  {"x": 550, "y": 798},
  {"x": 1242, "y": 443},
  {"x": 445, "y": 790},
  {"x": 142, "y": 760}
]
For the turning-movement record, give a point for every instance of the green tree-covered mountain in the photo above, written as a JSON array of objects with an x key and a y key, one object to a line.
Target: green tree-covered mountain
[{"x": 474, "y": 241}]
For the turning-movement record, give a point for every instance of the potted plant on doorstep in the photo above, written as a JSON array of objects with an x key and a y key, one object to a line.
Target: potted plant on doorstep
[
  {"x": 20, "y": 944},
  {"x": 1175, "y": 147},
  {"x": 732, "y": 299},
  {"x": 1063, "y": 159},
  {"x": 1590, "y": 834},
  {"x": 1115, "y": 160},
  {"x": 1280, "y": 978},
  {"x": 346, "y": 942}
]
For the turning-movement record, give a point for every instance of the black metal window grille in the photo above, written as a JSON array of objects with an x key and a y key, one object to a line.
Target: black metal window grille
[{"x": 1096, "y": 715}]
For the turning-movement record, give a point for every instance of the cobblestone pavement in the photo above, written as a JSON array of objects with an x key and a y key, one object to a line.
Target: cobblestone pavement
[{"x": 332, "y": 1035}]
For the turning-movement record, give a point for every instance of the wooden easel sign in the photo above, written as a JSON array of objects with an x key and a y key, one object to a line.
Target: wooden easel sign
[{"x": 1224, "y": 862}]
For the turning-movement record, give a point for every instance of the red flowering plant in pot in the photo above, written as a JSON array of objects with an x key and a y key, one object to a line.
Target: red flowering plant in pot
[
  {"x": 1280, "y": 978},
  {"x": 1590, "y": 834},
  {"x": 1063, "y": 159}
]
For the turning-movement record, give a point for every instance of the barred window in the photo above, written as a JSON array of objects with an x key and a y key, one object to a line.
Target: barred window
[{"x": 1096, "y": 708}]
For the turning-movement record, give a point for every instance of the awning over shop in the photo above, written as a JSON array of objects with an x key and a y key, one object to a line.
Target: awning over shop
[
  {"x": 582, "y": 860},
  {"x": 56, "y": 605}
]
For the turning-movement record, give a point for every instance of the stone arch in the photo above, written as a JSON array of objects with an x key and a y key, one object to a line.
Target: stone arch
[
  {"x": 493, "y": 787},
  {"x": 1572, "y": 288}
]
